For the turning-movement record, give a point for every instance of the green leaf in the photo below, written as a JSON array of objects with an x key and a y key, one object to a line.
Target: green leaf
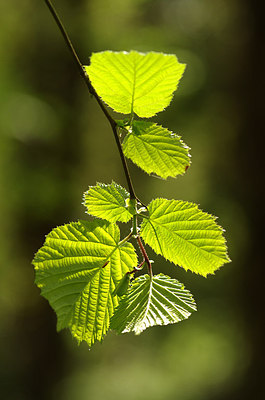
[
  {"x": 122, "y": 286},
  {"x": 77, "y": 270},
  {"x": 110, "y": 202},
  {"x": 156, "y": 150},
  {"x": 150, "y": 301},
  {"x": 135, "y": 82},
  {"x": 185, "y": 235}
]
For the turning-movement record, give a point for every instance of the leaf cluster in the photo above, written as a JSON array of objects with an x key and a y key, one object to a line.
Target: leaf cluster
[{"x": 89, "y": 275}]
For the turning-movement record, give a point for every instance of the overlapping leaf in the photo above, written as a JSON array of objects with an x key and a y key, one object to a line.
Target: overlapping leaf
[
  {"x": 157, "y": 300},
  {"x": 110, "y": 202},
  {"x": 77, "y": 270},
  {"x": 185, "y": 235},
  {"x": 156, "y": 150},
  {"x": 134, "y": 82}
]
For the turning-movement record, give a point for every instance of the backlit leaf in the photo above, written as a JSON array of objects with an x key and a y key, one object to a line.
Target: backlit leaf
[
  {"x": 150, "y": 301},
  {"x": 156, "y": 150},
  {"x": 77, "y": 270},
  {"x": 135, "y": 82},
  {"x": 185, "y": 235},
  {"x": 110, "y": 202}
]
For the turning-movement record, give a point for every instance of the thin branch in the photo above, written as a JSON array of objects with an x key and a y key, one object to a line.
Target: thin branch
[
  {"x": 64, "y": 33},
  {"x": 145, "y": 256},
  {"x": 94, "y": 93},
  {"x": 136, "y": 269}
]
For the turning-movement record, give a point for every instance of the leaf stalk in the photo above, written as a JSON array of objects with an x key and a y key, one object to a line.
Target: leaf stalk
[
  {"x": 145, "y": 256},
  {"x": 125, "y": 239}
]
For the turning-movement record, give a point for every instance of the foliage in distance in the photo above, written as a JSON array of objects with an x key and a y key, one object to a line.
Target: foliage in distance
[{"x": 90, "y": 276}]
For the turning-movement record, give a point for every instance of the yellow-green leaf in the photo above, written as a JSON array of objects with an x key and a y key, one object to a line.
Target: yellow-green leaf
[
  {"x": 185, "y": 235},
  {"x": 135, "y": 82},
  {"x": 150, "y": 301},
  {"x": 77, "y": 270},
  {"x": 156, "y": 150},
  {"x": 110, "y": 202}
]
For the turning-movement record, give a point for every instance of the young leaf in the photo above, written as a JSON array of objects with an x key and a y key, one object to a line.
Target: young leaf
[
  {"x": 110, "y": 202},
  {"x": 135, "y": 82},
  {"x": 156, "y": 150},
  {"x": 77, "y": 270},
  {"x": 185, "y": 235},
  {"x": 150, "y": 301}
]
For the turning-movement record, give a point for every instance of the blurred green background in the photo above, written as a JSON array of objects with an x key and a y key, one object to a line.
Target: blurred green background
[{"x": 55, "y": 142}]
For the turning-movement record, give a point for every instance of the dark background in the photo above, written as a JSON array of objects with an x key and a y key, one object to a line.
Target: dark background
[{"x": 54, "y": 143}]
